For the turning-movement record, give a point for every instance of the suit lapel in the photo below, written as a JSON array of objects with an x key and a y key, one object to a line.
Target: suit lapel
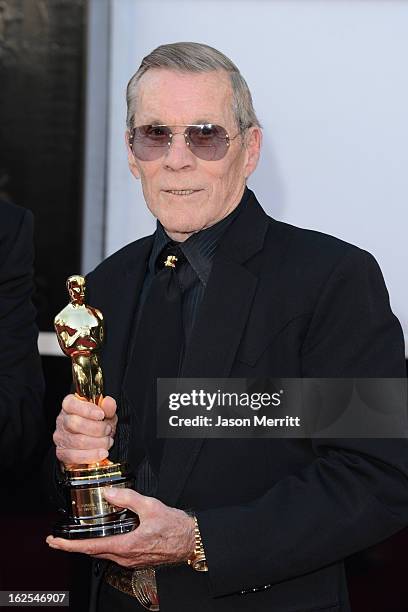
[{"x": 218, "y": 330}]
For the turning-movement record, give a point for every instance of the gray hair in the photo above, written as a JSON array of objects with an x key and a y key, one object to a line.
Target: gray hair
[{"x": 195, "y": 57}]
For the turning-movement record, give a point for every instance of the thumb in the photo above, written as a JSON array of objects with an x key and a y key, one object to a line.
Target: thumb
[
  {"x": 108, "y": 406},
  {"x": 124, "y": 498}
]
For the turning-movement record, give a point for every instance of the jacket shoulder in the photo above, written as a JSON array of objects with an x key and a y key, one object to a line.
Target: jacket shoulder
[
  {"x": 304, "y": 238},
  {"x": 305, "y": 261},
  {"x": 293, "y": 246},
  {"x": 310, "y": 249}
]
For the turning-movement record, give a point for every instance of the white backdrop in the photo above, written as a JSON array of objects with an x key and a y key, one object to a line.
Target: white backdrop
[{"x": 330, "y": 85}]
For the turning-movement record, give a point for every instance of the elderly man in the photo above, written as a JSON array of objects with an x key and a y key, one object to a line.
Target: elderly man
[{"x": 221, "y": 290}]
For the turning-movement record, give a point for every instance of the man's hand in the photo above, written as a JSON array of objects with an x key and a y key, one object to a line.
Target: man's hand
[
  {"x": 84, "y": 432},
  {"x": 165, "y": 535}
]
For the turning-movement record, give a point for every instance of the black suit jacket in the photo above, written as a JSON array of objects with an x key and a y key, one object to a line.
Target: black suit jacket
[
  {"x": 22, "y": 422},
  {"x": 278, "y": 516}
]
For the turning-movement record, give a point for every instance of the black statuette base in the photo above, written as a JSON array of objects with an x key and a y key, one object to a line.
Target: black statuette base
[
  {"x": 89, "y": 514},
  {"x": 76, "y": 531}
]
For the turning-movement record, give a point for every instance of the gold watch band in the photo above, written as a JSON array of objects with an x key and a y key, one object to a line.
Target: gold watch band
[{"x": 198, "y": 561}]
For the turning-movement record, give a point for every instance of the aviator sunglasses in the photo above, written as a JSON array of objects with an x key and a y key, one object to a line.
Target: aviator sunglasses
[{"x": 207, "y": 141}]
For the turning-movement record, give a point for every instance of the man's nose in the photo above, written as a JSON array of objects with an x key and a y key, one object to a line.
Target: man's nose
[{"x": 178, "y": 156}]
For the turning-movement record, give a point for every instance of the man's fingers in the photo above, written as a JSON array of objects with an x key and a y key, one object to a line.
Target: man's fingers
[
  {"x": 88, "y": 547},
  {"x": 81, "y": 441},
  {"x": 113, "y": 423},
  {"x": 76, "y": 424},
  {"x": 127, "y": 498},
  {"x": 109, "y": 545},
  {"x": 83, "y": 435},
  {"x": 108, "y": 406},
  {"x": 69, "y": 456},
  {"x": 107, "y": 557},
  {"x": 140, "y": 561},
  {"x": 87, "y": 410}
]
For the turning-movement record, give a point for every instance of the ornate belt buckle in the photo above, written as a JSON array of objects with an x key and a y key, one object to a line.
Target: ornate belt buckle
[{"x": 144, "y": 588}]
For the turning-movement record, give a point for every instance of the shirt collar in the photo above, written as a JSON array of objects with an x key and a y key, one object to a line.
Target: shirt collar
[{"x": 200, "y": 247}]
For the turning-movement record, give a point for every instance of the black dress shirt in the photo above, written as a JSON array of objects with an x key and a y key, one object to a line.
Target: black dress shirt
[{"x": 199, "y": 250}]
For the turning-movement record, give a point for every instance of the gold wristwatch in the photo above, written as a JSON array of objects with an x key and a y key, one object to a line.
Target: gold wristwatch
[{"x": 198, "y": 561}]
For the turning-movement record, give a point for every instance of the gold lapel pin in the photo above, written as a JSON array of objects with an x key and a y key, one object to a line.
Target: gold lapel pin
[{"x": 170, "y": 261}]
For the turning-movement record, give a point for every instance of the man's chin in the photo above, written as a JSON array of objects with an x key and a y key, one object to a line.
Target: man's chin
[
  {"x": 183, "y": 230},
  {"x": 180, "y": 231},
  {"x": 181, "y": 225}
]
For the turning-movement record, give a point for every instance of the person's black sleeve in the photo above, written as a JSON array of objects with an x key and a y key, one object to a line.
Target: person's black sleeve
[{"x": 22, "y": 420}]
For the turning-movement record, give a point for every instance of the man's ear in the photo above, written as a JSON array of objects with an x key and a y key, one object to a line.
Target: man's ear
[
  {"x": 131, "y": 158},
  {"x": 252, "y": 144}
]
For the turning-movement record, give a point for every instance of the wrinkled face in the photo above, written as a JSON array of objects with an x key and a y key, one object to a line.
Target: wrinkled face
[{"x": 212, "y": 189}]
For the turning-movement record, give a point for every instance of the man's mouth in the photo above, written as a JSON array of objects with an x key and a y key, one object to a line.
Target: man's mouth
[{"x": 182, "y": 192}]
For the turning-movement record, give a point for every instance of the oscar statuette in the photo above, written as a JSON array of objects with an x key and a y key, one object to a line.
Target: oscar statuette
[{"x": 80, "y": 330}]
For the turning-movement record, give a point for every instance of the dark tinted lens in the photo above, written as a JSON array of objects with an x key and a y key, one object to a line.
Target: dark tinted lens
[
  {"x": 149, "y": 141},
  {"x": 209, "y": 142}
]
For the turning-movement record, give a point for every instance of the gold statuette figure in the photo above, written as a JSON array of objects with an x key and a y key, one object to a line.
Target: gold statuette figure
[{"x": 80, "y": 332}]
